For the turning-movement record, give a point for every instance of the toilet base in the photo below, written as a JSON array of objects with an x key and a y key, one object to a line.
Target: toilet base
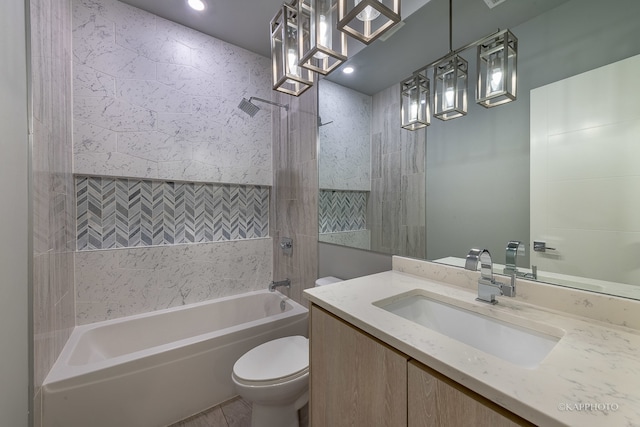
[{"x": 274, "y": 416}]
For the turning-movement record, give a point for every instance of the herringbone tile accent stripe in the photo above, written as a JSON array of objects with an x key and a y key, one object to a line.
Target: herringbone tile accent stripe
[
  {"x": 119, "y": 213},
  {"x": 157, "y": 212},
  {"x": 179, "y": 212},
  {"x": 262, "y": 227},
  {"x": 168, "y": 213},
  {"x": 94, "y": 213},
  {"x": 122, "y": 213},
  {"x": 199, "y": 216},
  {"x": 134, "y": 213},
  {"x": 146, "y": 213},
  {"x": 190, "y": 213},
  {"x": 216, "y": 212},
  {"x": 108, "y": 213},
  {"x": 342, "y": 211},
  {"x": 82, "y": 209}
]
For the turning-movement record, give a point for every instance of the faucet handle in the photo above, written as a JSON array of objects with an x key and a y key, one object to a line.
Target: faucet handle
[
  {"x": 509, "y": 290},
  {"x": 472, "y": 258},
  {"x": 517, "y": 247},
  {"x": 540, "y": 246}
]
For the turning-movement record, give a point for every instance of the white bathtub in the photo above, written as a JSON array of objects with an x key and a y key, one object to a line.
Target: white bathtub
[{"x": 157, "y": 368}]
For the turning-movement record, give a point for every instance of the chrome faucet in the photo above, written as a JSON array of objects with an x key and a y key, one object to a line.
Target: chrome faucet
[
  {"x": 286, "y": 283},
  {"x": 513, "y": 248},
  {"x": 488, "y": 288}
]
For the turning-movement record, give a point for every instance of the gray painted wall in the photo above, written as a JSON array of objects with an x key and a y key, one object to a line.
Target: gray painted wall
[
  {"x": 331, "y": 260},
  {"x": 478, "y": 166},
  {"x": 14, "y": 212}
]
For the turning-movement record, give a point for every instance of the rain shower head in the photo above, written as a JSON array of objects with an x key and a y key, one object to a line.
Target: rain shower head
[
  {"x": 251, "y": 109},
  {"x": 248, "y": 107}
]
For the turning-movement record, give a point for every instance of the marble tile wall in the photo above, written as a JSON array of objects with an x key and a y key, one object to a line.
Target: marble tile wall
[
  {"x": 157, "y": 101},
  {"x": 294, "y": 203},
  {"x": 53, "y": 189},
  {"x": 118, "y": 213},
  {"x": 114, "y": 283},
  {"x": 396, "y": 206},
  {"x": 344, "y": 158},
  {"x": 154, "y": 99},
  {"x": 342, "y": 210}
]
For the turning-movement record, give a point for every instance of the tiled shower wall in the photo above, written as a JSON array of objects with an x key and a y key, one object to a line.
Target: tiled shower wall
[
  {"x": 157, "y": 101},
  {"x": 154, "y": 99},
  {"x": 53, "y": 189},
  {"x": 396, "y": 212},
  {"x": 295, "y": 199},
  {"x": 344, "y": 139},
  {"x": 344, "y": 164},
  {"x": 120, "y": 282}
]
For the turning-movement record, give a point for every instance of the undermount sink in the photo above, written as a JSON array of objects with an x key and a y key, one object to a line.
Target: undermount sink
[{"x": 512, "y": 343}]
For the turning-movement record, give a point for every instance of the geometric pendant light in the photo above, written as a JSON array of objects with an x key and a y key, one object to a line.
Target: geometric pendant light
[
  {"x": 450, "y": 93},
  {"x": 287, "y": 74},
  {"x": 496, "y": 79},
  {"x": 366, "y": 20},
  {"x": 322, "y": 48},
  {"x": 414, "y": 101},
  {"x": 497, "y": 70}
]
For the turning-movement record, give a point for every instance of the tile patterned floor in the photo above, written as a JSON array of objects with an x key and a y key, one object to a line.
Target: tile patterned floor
[{"x": 233, "y": 413}]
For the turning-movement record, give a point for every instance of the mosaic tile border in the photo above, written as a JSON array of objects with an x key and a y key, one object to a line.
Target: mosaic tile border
[
  {"x": 121, "y": 213},
  {"x": 342, "y": 210}
]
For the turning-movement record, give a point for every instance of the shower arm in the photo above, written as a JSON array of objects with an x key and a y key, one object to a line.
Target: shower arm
[{"x": 286, "y": 107}]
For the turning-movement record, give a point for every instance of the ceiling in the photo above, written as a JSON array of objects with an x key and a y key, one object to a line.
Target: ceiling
[{"x": 245, "y": 23}]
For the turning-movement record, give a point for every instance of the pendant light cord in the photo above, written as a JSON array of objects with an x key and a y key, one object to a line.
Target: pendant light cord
[{"x": 450, "y": 26}]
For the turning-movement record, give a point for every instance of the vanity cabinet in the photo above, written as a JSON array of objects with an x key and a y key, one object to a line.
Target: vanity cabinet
[{"x": 357, "y": 380}]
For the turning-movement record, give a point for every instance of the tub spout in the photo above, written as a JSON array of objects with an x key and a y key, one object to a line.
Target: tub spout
[{"x": 282, "y": 283}]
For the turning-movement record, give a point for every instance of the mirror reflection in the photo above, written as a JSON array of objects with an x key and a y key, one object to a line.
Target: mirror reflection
[{"x": 479, "y": 181}]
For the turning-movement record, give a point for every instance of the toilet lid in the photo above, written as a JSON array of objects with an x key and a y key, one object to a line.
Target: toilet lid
[{"x": 273, "y": 360}]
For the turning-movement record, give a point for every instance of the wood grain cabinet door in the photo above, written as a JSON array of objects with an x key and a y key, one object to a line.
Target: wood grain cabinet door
[
  {"x": 436, "y": 401},
  {"x": 355, "y": 379}
]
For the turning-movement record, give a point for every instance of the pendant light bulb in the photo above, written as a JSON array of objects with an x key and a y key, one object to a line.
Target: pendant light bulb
[
  {"x": 448, "y": 98},
  {"x": 324, "y": 36},
  {"x": 292, "y": 61},
  {"x": 368, "y": 14},
  {"x": 413, "y": 114},
  {"x": 449, "y": 92},
  {"x": 495, "y": 81}
]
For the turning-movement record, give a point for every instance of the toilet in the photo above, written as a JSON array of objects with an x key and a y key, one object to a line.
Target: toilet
[{"x": 274, "y": 377}]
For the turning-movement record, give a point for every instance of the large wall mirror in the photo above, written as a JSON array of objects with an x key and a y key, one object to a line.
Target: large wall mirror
[{"x": 558, "y": 166}]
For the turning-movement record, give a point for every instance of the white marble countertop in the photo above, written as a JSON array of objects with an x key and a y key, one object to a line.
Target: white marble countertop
[{"x": 590, "y": 378}]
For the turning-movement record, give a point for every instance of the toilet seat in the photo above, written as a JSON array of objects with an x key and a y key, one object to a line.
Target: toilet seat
[{"x": 273, "y": 362}]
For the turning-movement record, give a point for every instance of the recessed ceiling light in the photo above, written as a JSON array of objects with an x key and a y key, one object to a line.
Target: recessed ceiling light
[
  {"x": 348, "y": 70},
  {"x": 196, "y": 5}
]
